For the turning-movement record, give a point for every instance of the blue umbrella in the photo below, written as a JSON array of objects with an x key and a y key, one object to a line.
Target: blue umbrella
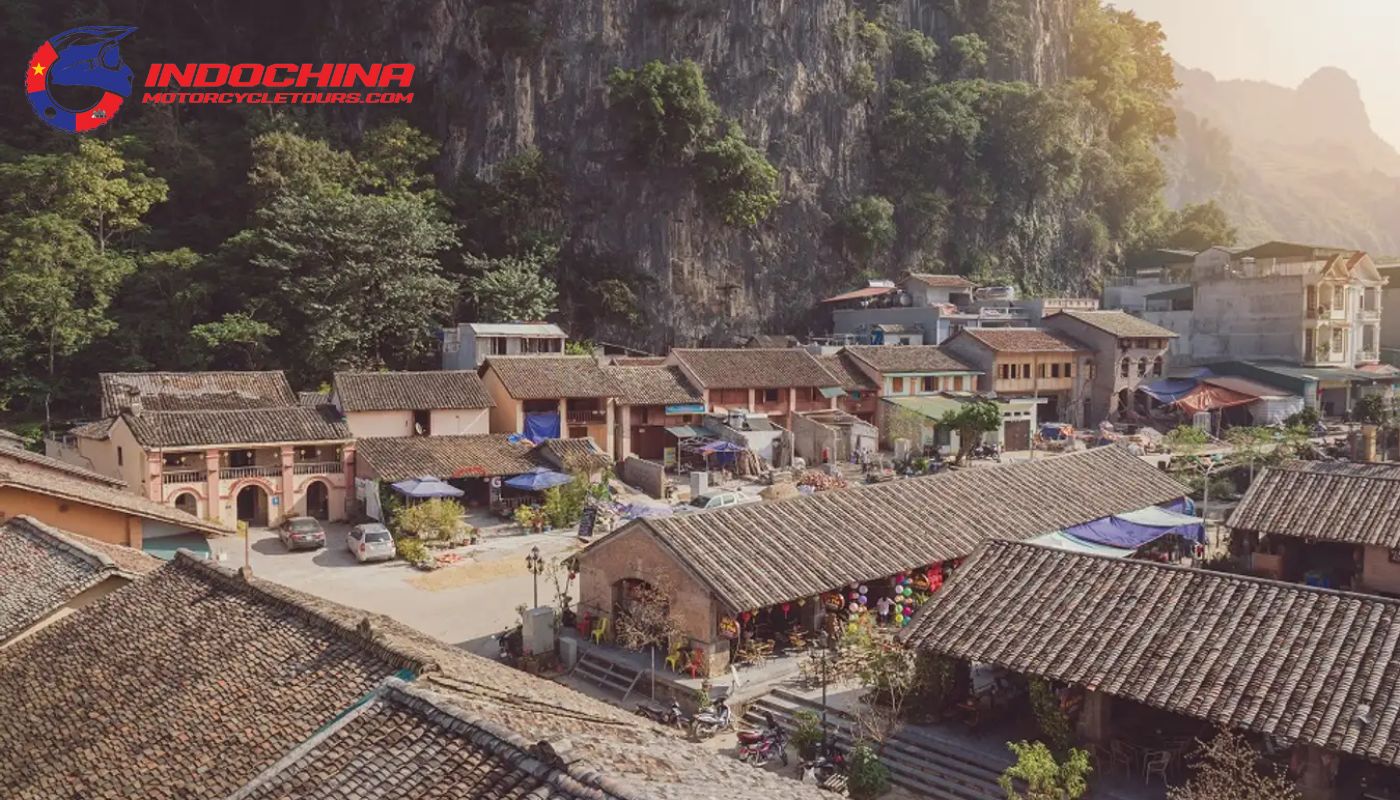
[
  {"x": 539, "y": 479},
  {"x": 426, "y": 487}
]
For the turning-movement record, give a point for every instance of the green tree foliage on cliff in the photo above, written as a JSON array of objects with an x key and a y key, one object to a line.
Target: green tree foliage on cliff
[
  {"x": 511, "y": 289},
  {"x": 1196, "y": 227},
  {"x": 867, "y": 226},
  {"x": 736, "y": 179},
  {"x": 65, "y": 219}
]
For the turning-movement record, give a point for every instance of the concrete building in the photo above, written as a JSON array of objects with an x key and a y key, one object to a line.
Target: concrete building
[
  {"x": 775, "y": 382},
  {"x": 467, "y": 346},
  {"x": 1390, "y": 313},
  {"x": 1027, "y": 362},
  {"x": 651, "y": 399},
  {"x": 445, "y": 403},
  {"x": 551, "y": 397},
  {"x": 1127, "y": 352}
]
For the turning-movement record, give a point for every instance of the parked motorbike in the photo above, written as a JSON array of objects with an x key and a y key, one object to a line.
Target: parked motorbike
[
  {"x": 671, "y": 715},
  {"x": 510, "y": 643},
  {"x": 987, "y": 450},
  {"x": 819, "y": 770},
  {"x": 708, "y": 723},
  {"x": 762, "y": 746}
]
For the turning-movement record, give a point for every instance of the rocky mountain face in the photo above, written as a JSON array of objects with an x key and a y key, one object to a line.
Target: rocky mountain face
[
  {"x": 1300, "y": 164},
  {"x": 499, "y": 76}
]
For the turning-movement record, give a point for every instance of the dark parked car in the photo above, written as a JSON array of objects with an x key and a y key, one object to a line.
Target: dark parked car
[{"x": 299, "y": 533}]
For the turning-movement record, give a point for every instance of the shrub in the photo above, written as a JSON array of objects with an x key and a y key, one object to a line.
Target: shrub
[
  {"x": 863, "y": 83},
  {"x": 867, "y": 778},
  {"x": 1045, "y": 778},
  {"x": 1306, "y": 418},
  {"x": 1053, "y": 721},
  {"x": 435, "y": 520},
  {"x": 737, "y": 180},
  {"x": 411, "y": 550},
  {"x": 867, "y": 226},
  {"x": 669, "y": 108},
  {"x": 806, "y": 733},
  {"x": 1186, "y": 438}
]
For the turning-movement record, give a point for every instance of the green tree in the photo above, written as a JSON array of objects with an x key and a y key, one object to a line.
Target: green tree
[
  {"x": 1197, "y": 227},
  {"x": 511, "y": 289},
  {"x": 236, "y": 340},
  {"x": 435, "y": 520},
  {"x": 736, "y": 179},
  {"x": 1044, "y": 776},
  {"x": 669, "y": 109},
  {"x": 970, "y": 422},
  {"x": 867, "y": 226},
  {"x": 967, "y": 55},
  {"x": 1373, "y": 410}
]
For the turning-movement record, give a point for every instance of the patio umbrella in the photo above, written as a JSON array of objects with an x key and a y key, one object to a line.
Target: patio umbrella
[
  {"x": 426, "y": 487},
  {"x": 539, "y": 479}
]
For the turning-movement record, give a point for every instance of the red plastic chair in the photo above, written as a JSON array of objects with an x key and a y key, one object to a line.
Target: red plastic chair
[{"x": 697, "y": 661}]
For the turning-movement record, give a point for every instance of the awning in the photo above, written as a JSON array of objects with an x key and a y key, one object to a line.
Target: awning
[
  {"x": 687, "y": 432},
  {"x": 1168, "y": 390},
  {"x": 425, "y": 488},
  {"x": 539, "y": 479},
  {"x": 860, "y": 294},
  {"x": 721, "y": 446},
  {"x": 164, "y": 547},
  {"x": 1208, "y": 397},
  {"x": 832, "y": 391},
  {"x": 1063, "y": 541},
  {"x": 1133, "y": 529}
]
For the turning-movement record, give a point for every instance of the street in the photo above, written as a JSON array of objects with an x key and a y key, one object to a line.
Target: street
[{"x": 464, "y": 604}]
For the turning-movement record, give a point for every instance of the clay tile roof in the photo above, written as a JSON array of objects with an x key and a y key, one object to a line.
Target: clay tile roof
[
  {"x": 317, "y": 398},
  {"x": 755, "y": 368},
  {"x": 851, "y": 377},
  {"x": 11, "y": 440},
  {"x": 1307, "y": 665},
  {"x": 756, "y": 555},
  {"x": 942, "y": 281},
  {"x": 572, "y": 455},
  {"x": 551, "y": 377},
  {"x": 12, "y": 455},
  {"x": 908, "y": 358},
  {"x": 653, "y": 386},
  {"x": 403, "y": 457},
  {"x": 1327, "y": 501},
  {"x": 1024, "y": 340},
  {"x": 206, "y": 679},
  {"x": 249, "y": 426},
  {"x": 1120, "y": 324},
  {"x": 393, "y": 391},
  {"x": 34, "y": 479},
  {"x": 98, "y": 429},
  {"x": 196, "y": 391},
  {"x": 409, "y": 743},
  {"x": 42, "y": 569}
]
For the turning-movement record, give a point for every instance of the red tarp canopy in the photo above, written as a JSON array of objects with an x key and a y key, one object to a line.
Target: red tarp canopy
[
  {"x": 1206, "y": 397},
  {"x": 858, "y": 294}
]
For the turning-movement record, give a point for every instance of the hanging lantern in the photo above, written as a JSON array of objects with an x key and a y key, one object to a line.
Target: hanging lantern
[
  {"x": 833, "y": 601},
  {"x": 920, "y": 583},
  {"x": 745, "y": 616},
  {"x": 786, "y": 608},
  {"x": 729, "y": 627}
]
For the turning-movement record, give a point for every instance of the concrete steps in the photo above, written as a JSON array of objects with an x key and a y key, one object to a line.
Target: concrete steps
[
  {"x": 917, "y": 760},
  {"x": 607, "y": 674}
]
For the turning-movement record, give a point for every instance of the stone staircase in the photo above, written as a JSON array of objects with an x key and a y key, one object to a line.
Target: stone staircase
[
  {"x": 918, "y": 760},
  {"x": 606, "y": 674}
]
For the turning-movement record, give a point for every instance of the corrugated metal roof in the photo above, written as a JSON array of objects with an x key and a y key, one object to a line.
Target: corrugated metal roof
[{"x": 515, "y": 329}]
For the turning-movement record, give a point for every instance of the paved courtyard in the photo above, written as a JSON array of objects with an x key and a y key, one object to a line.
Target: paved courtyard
[{"x": 465, "y": 604}]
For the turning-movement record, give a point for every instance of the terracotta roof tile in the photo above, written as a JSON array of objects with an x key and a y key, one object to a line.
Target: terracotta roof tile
[
  {"x": 572, "y": 455},
  {"x": 941, "y": 281},
  {"x": 403, "y": 457},
  {"x": 653, "y": 386},
  {"x": 293, "y": 423},
  {"x": 10, "y": 455},
  {"x": 392, "y": 391},
  {"x": 51, "y": 484},
  {"x": 755, "y": 368},
  {"x": 1120, "y": 324},
  {"x": 1326, "y": 501},
  {"x": 317, "y": 398},
  {"x": 1306, "y": 665},
  {"x": 759, "y": 554},
  {"x": 550, "y": 377},
  {"x": 1024, "y": 340},
  {"x": 42, "y": 569},
  {"x": 97, "y": 429},
  {"x": 851, "y": 376},
  {"x": 196, "y": 391},
  {"x": 907, "y": 358}
]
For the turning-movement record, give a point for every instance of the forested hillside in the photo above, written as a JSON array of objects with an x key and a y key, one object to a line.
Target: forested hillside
[{"x": 652, "y": 172}]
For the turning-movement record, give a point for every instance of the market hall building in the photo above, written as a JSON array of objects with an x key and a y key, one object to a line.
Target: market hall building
[{"x": 784, "y": 563}]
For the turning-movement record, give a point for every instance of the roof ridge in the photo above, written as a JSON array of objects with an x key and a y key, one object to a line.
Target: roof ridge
[
  {"x": 303, "y": 605},
  {"x": 55, "y": 538},
  {"x": 1298, "y": 465}
]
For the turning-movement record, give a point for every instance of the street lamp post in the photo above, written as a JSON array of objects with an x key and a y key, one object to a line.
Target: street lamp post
[
  {"x": 535, "y": 564},
  {"x": 824, "y": 642}
]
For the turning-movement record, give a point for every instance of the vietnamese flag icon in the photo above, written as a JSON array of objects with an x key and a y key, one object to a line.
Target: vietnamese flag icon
[{"x": 36, "y": 73}]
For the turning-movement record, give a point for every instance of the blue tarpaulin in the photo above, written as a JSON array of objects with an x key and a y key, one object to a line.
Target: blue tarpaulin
[
  {"x": 425, "y": 488},
  {"x": 541, "y": 425},
  {"x": 721, "y": 446},
  {"x": 539, "y": 479},
  {"x": 1137, "y": 528},
  {"x": 1169, "y": 390}
]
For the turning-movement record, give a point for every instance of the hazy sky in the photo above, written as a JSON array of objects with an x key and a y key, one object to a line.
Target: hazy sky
[{"x": 1285, "y": 41}]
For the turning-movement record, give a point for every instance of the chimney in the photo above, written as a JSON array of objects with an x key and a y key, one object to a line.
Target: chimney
[{"x": 131, "y": 401}]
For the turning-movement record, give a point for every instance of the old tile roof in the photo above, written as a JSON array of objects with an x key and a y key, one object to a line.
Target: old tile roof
[
  {"x": 1023, "y": 340},
  {"x": 97, "y": 429},
  {"x": 908, "y": 358},
  {"x": 637, "y": 361},
  {"x": 392, "y": 391},
  {"x": 11, "y": 440},
  {"x": 572, "y": 455},
  {"x": 402, "y": 457},
  {"x": 52, "y": 484},
  {"x": 1120, "y": 324},
  {"x": 549, "y": 377},
  {"x": 942, "y": 281},
  {"x": 769, "y": 340},
  {"x": 248, "y": 426},
  {"x": 754, "y": 368},
  {"x": 764, "y": 553},
  {"x": 196, "y": 391},
  {"x": 409, "y": 743},
  {"x": 11, "y": 455},
  {"x": 317, "y": 398},
  {"x": 1307, "y": 665},
  {"x": 1327, "y": 501},
  {"x": 42, "y": 569},
  {"x": 852, "y": 378},
  {"x": 206, "y": 679},
  {"x": 653, "y": 385}
]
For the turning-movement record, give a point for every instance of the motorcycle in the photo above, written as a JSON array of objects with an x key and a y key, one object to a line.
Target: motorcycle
[
  {"x": 672, "y": 715},
  {"x": 819, "y": 770},
  {"x": 987, "y": 450},
  {"x": 708, "y": 723},
  {"x": 511, "y": 644},
  {"x": 763, "y": 746}
]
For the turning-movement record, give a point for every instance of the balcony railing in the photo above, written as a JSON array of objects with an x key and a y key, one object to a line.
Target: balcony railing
[
  {"x": 234, "y": 473},
  {"x": 1323, "y": 312},
  {"x": 585, "y": 416},
  {"x": 183, "y": 476},
  {"x": 318, "y": 468}
]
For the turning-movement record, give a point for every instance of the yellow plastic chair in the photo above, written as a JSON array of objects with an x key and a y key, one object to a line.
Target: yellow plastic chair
[
  {"x": 600, "y": 630},
  {"x": 673, "y": 658}
]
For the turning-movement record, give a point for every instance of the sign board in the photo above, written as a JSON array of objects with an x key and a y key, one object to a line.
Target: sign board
[
  {"x": 668, "y": 457},
  {"x": 587, "y": 521},
  {"x": 496, "y": 482},
  {"x": 276, "y": 501},
  {"x": 470, "y": 472},
  {"x": 686, "y": 408}
]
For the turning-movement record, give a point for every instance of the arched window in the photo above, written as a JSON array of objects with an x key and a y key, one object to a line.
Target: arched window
[
  {"x": 1157, "y": 366},
  {"x": 1127, "y": 365},
  {"x": 1142, "y": 366}
]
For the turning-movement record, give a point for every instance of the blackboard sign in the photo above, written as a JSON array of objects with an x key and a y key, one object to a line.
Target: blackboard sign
[{"x": 587, "y": 521}]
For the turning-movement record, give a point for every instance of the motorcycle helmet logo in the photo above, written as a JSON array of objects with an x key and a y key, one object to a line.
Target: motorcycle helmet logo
[{"x": 82, "y": 57}]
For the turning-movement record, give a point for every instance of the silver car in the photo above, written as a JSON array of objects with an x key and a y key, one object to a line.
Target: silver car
[{"x": 370, "y": 542}]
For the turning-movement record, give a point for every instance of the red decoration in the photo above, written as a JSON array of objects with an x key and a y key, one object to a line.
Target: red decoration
[
  {"x": 745, "y": 616},
  {"x": 786, "y": 608}
]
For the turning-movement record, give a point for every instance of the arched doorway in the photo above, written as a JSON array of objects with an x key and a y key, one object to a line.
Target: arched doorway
[
  {"x": 318, "y": 500},
  {"x": 188, "y": 503},
  {"x": 252, "y": 505}
]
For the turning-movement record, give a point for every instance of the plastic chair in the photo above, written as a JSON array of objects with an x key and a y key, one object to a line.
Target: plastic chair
[
  {"x": 1156, "y": 763},
  {"x": 697, "y": 661},
  {"x": 600, "y": 630},
  {"x": 1120, "y": 756},
  {"x": 673, "y": 658}
]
